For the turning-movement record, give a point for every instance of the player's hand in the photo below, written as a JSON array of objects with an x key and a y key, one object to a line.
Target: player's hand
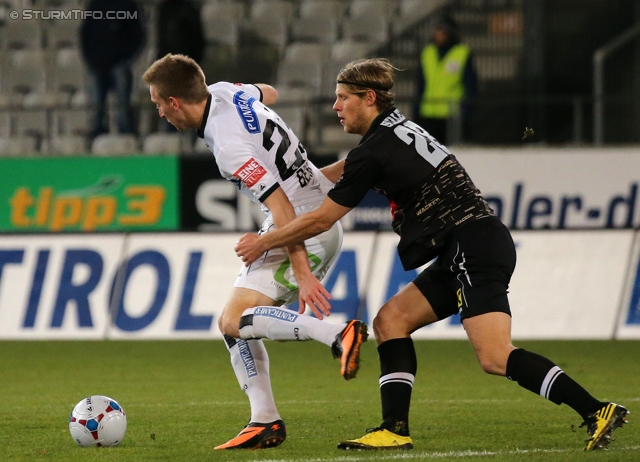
[
  {"x": 314, "y": 295},
  {"x": 248, "y": 248}
]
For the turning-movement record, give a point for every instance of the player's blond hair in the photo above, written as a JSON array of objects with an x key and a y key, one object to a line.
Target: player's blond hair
[
  {"x": 178, "y": 76},
  {"x": 375, "y": 74}
]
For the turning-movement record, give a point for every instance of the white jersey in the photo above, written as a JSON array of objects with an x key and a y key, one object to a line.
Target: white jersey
[{"x": 256, "y": 150}]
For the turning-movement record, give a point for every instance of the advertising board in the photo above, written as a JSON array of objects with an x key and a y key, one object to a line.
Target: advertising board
[
  {"x": 568, "y": 188},
  {"x": 558, "y": 188},
  {"x": 629, "y": 319},
  {"x": 567, "y": 284},
  {"x": 57, "y": 286},
  {"x": 88, "y": 194},
  {"x": 141, "y": 286}
]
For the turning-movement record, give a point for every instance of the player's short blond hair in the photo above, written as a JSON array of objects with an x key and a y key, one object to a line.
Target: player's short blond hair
[
  {"x": 178, "y": 76},
  {"x": 375, "y": 74}
]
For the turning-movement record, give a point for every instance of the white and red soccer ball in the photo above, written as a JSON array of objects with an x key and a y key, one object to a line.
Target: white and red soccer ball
[{"x": 97, "y": 421}]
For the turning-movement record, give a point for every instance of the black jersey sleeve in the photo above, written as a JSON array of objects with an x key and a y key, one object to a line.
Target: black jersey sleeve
[{"x": 361, "y": 171}]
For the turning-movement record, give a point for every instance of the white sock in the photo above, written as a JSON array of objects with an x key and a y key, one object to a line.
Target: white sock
[
  {"x": 250, "y": 362},
  {"x": 277, "y": 323}
]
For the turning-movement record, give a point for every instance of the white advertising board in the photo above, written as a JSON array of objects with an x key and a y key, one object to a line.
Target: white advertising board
[
  {"x": 57, "y": 286},
  {"x": 176, "y": 285},
  {"x": 629, "y": 319},
  {"x": 558, "y": 188},
  {"x": 567, "y": 284}
]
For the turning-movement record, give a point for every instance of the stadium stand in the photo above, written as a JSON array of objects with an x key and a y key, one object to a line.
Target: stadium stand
[
  {"x": 306, "y": 77},
  {"x": 321, "y": 29},
  {"x": 372, "y": 9},
  {"x": 70, "y": 121},
  {"x": 24, "y": 72},
  {"x": 297, "y": 45},
  {"x": 5, "y": 124},
  {"x": 344, "y": 51},
  {"x": 22, "y": 35},
  {"x": 273, "y": 31},
  {"x": 163, "y": 143},
  {"x": 67, "y": 75},
  {"x": 67, "y": 145},
  {"x": 296, "y": 118},
  {"x": 271, "y": 9},
  {"x": 300, "y": 71},
  {"x": 368, "y": 29},
  {"x": 330, "y": 9},
  {"x": 32, "y": 123},
  {"x": 302, "y": 53},
  {"x": 114, "y": 144},
  {"x": 216, "y": 10},
  {"x": 63, "y": 34},
  {"x": 222, "y": 31},
  {"x": 20, "y": 145}
]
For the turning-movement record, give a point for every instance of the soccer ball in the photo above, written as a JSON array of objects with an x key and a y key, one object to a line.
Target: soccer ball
[{"x": 97, "y": 421}]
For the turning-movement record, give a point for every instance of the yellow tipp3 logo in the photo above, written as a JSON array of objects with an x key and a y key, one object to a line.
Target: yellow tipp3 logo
[{"x": 88, "y": 208}]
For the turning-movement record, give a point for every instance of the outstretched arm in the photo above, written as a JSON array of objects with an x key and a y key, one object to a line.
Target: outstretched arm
[
  {"x": 251, "y": 246},
  {"x": 311, "y": 291},
  {"x": 334, "y": 171}
]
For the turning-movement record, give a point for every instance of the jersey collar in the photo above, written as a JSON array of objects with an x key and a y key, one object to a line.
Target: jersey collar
[
  {"x": 376, "y": 123},
  {"x": 205, "y": 117}
]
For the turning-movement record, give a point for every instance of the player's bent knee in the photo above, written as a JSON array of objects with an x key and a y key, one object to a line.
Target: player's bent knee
[
  {"x": 493, "y": 365},
  {"x": 377, "y": 325},
  {"x": 228, "y": 326},
  {"x": 390, "y": 322}
]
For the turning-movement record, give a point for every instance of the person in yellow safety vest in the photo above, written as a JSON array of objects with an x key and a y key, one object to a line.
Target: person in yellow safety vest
[{"x": 446, "y": 80}]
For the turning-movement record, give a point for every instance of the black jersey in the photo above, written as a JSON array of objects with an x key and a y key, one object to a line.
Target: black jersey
[{"x": 429, "y": 191}]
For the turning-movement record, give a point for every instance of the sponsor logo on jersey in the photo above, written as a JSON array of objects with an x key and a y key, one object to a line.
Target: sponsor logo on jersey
[
  {"x": 284, "y": 315},
  {"x": 250, "y": 173},
  {"x": 244, "y": 104}
]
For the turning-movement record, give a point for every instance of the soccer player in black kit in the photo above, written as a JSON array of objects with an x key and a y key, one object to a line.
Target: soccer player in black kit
[{"x": 438, "y": 212}]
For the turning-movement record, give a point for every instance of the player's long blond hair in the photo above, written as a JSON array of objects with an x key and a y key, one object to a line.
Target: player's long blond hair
[
  {"x": 375, "y": 74},
  {"x": 178, "y": 76}
]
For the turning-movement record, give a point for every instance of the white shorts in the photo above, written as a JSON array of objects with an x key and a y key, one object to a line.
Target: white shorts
[{"x": 272, "y": 274}]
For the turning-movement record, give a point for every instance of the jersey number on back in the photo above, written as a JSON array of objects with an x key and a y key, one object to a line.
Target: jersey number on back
[
  {"x": 426, "y": 145},
  {"x": 285, "y": 172}
]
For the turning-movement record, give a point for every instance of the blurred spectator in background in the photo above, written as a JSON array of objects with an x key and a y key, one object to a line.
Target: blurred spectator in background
[
  {"x": 109, "y": 48},
  {"x": 447, "y": 80},
  {"x": 180, "y": 30},
  {"x": 180, "y": 33},
  {"x": 5, "y": 8}
]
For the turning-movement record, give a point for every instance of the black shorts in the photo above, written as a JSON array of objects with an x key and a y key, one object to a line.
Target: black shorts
[{"x": 472, "y": 273}]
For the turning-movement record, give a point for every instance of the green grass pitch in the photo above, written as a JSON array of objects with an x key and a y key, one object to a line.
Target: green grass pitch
[{"x": 182, "y": 399}]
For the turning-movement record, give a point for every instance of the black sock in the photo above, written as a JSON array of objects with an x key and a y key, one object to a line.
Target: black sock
[
  {"x": 398, "y": 366},
  {"x": 540, "y": 375}
]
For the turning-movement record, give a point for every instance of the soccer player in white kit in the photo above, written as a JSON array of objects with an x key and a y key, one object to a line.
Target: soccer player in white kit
[{"x": 259, "y": 153}]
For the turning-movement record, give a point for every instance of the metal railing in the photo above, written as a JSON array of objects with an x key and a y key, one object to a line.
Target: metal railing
[{"x": 598, "y": 79}]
